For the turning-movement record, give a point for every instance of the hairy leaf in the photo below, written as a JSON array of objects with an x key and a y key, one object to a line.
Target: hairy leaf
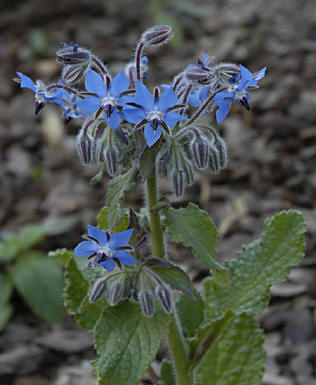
[
  {"x": 103, "y": 222},
  {"x": 75, "y": 293},
  {"x": 39, "y": 281},
  {"x": 231, "y": 352},
  {"x": 193, "y": 227},
  {"x": 63, "y": 254},
  {"x": 263, "y": 263},
  {"x": 116, "y": 189},
  {"x": 167, "y": 373},
  {"x": 127, "y": 342}
]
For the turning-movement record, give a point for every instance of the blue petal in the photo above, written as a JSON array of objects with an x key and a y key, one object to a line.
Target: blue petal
[
  {"x": 134, "y": 115},
  {"x": 143, "y": 97},
  {"x": 204, "y": 92},
  {"x": 108, "y": 264},
  {"x": 119, "y": 84},
  {"x": 171, "y": 118},
  {"x": 114, "y": 120},
  {"x": 89, "y": 104},
  {"x": 95, "y": 84},
  {"x": 151, "y": 135},
  {"x": 167, "y": 99},
  {"x": 125, "y": 257},
  {"x": 206, "y": 59},
  {"x": 193, "y": 99},
  {"x": 246, "y": 76},
  {"x": 120, "y": 239},
  {"x": 98, "y": 234},
  {"x": 26, "y": 82},
  {"x": 222, "y": 97},
  {"x": 222, "y": 112},
  {"x": 256, "y": 77},
  {"x": 86, "y": 248}
]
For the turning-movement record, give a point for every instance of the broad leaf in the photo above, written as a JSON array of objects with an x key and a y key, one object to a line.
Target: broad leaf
[
  {"x": 193, "y": 227},
  {"x": 127, "y": 343},
  {"x": 5, "y": 307},
  {"x": 5, "y": 314},
  {"x": 190, "y": 312},
  {"x": 62, "y": 254},
  {"x": 103, "y": 222},
  {"x": 263, "y": 263},
  {"x": 231, "y": 352},
  {"x": 115, "y": 193},
  {"x": 167, "y": 373},
  {"x": 75, "y": 297},
  {"x": 39, "y": 281}
]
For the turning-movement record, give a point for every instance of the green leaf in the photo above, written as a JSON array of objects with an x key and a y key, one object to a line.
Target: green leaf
[
  {"x": 63, "y": 254},
  {"x": 76, "y": 290},
  {"x": 231, "y": 352},
  {"x": 5, "y": 314},
  {"x": 5, "y": 293},
  {"x": 39, "y": 281},
  {"x": 116, "y": 189},
  {"x": 103, "y": 222},
  {"x": 127, "y": 342},
  {"x": 167, "y": 373},
  {"x": 174, "y": 277},
  {"x": 193, "y": 227},
  {"x": 263, "y": 263},
  {"x": 190, "y": 312}
]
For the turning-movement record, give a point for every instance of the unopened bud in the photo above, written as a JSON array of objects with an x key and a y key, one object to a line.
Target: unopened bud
[
  {"x": 178, "y": 182},
  {"x": 84, "y": 144},
  {"x": 72, "y": 74},
  {"x": 215, "y": 160},
  {"x": 111, "y": 160},
  {"x": 147, "y": 303},
  {"x": 200, "y": 151},
  {"x": 198, "y": 75},
  {"x": 222, "y": 150},
  {"x": 97, "y": 290},
  {"x": 73, "y": 55},
  {"x": 188, "y": 172},
  {"x": 164, "y": 296},
  {"x": 157, "y": 35},
  {"x": 115, "y": 293}
]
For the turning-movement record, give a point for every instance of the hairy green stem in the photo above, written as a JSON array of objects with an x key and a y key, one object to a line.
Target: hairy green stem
[{"x": 176, "y": 341}]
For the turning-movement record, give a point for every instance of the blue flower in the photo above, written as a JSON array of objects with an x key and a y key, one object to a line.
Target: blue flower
[
  {"x": 68, "y": 103},
  {"x": 106, "y": 249},
  {"x": 108, "y": 96},
  {"x": 237, "y": 91},
  {"x": 153, "y": 111},
  {"x": 198, "y": 96},
  {"x": 42, "y": 96},
  {"x": 205, "y": 62}
]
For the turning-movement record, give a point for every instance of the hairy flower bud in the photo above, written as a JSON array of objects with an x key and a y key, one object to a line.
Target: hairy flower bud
[
  {"x": 147, "y": 303},
  {"x": 85, "y": 146},
  {"x": 97, "y": 290},
  {"x": 215, "y": 160},
  {"x": 178, "y": 182},
  {"x": 72, "y": 74},
  {"x": 115, "y": 293},
  {"x": 188, "y": 173},
  {"x": 164, "y": 296},
  {"x": 73, "y": 55},
  {"x": 200, "y": 151},
  {"x": 157, "y": 35},
  {"x": 222, "y": 150},
  {"x": 111, "y": 160},
  {"x": 198, "y": 75}
]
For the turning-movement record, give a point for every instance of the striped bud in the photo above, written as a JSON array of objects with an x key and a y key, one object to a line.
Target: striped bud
[
  {"x": 97, "y": 290},
  {"x": 198, "y": 75},
  {"x": 220, "y": 144},
  {"x": 147, "y": 303},
  {"x": 188, "y": 173},
  {"x": 157, "y": 35},
  {"x": 84, "y": 144},
  {"x": 164, "y": 296},
  {"x": 215, "y": 160},
  {"x": 111, "y": 160},
  {"x": 115, "y": 293},
  {"x": 72, "y": 74},
  {"x": 200, "y": 151},
  {"x": 73, "y": 55},
  {"x": 178, "y": 182}
]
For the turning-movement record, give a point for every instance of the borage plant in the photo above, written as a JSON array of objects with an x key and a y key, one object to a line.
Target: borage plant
[{"x": 120, "y": 280}]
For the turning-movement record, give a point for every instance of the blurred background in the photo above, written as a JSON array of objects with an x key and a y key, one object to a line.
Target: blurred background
[{"x": 46, "y": 200}]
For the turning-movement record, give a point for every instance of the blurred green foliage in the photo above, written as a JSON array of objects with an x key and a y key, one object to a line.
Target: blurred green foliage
[{"x": 37, "y": 278}]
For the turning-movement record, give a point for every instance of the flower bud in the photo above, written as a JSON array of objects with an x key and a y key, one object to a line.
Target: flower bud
[
  {"x": 178, "y": 182},
  {"x": 147, "y": 303},
  {"x": 198, "y": 75},
  {"x": 222, "y": 150},
  {"x": 164, "y": 296},
  {"x": 97, "y": 290},
  {"x": 115, "y": 293},
  {"x": 200, "y": 151},
  {"x": 157, "y": 35},
  {"x": 111, "y": 160},
  {"x": 215, "y": 160},
  {"x": 72, "y": 74},
  {"x": 188, "y": 173},
  {"x": 73, "y": 55},
  {"x": 84, "y": 144}
]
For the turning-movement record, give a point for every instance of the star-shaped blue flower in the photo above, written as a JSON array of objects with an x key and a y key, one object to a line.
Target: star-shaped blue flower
[
  {"x": 42, "y": 96},
  {"x": 153, "y": 112},
  {"x": 106, "y": 249},
  {"x": 108, "y": 96},
  {"x": 237, "y": 92}
]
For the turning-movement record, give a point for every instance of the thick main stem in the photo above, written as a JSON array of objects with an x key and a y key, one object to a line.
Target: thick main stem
[{"x": 176, "y": 341}]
